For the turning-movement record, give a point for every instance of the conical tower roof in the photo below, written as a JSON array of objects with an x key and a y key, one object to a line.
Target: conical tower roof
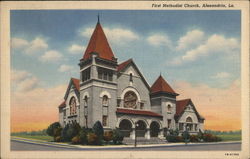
[
  {"x": 160, "y": 85},
  {"x": 99, "y": 44}
]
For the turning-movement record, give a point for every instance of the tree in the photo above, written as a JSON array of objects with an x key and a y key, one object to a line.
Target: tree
[
  {"x": 70, "y": 131},
  {"x": 117, "y": 136},
  {"x": 186, "y": 136},
  {"x": 98, "y": 130},
  {"x": 52, "y": 129}
]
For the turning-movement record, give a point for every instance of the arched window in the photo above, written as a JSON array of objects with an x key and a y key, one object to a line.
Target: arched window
[
  {"x": 105, "y": 100},
  {"x": 169, "y": 108},
  {"x": 85, "y": 103},
  {"x": 130, "y": 100},
  {"x": 105, "y": 110},
  {"x": 72, "y": 104},
  {"x": 189, "y": 125},
  {"x": 189, "y": 120}
]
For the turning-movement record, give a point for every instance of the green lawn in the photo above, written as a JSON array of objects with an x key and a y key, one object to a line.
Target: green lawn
[
  {"x": 38, "y": 137},
  {"x": 230, "y": 137}
]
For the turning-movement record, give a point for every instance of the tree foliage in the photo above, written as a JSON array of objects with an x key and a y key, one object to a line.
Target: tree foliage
[{"x": 53, "y": 129}]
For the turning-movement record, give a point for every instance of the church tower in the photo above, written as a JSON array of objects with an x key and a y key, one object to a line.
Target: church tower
[
  {"x": 98, "y": 82},
  {"x": 163, "y": 101}
]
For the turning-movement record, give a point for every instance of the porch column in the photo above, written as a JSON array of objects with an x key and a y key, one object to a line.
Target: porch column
[
  {"x": 160, "y": 134},
  {"x": 132, "y": 134},
  {"x": 147, "y": 134}
]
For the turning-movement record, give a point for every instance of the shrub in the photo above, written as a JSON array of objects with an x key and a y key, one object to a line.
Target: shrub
[
  {"x": 83, "y": 135},
  {"x": 51, "y": 130},
  {"x": 64, "y": 133},
  {"x": 211, "y": 138},
  {"x": 58, "y": 138},
  {"x": 117, "y": 136},
  {"x": 98, "y": 130},
  {"x": 70, "y": 131},
  {"x": 186, "y": 136},
  {"x": 194, "y": 138},
  {"x": 208, "y": 137},
  {"x": 108, "y": 135},
  {"x": 200, "y": 135},
  {"x": 173, "y": 138},
  {"x": 92, "y": 138},
  {"x": 179, "y": 139},
  {"x": 75, "y": 140},
  {"x": 57, "y": 131}
]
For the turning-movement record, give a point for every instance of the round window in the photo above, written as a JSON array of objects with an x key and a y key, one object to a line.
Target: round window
[{"x": 130, "y": 100}]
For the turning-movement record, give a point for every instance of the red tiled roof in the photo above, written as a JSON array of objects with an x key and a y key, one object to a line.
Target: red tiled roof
[
  {"x": 137, "y": 112},
  {"x": 180, "y": 105},
  {"x": 161, "y": 85},
  {"x": 76, "y": 83},
  {"x": 98, "y": 43},
  {"x": 63, "y": 104},
  {"x": 123, "y": 64}
]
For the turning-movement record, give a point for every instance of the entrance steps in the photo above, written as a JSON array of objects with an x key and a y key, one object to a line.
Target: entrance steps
[{"x": 144, "y": 141}]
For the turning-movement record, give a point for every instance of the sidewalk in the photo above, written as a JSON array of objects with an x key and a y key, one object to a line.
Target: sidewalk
[{"x": 66, "y": 145}]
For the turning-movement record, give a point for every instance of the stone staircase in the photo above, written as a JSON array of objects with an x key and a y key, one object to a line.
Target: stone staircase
[{"x": 143, "y": 141}]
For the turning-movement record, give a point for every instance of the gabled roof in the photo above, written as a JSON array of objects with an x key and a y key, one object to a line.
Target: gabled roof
[
  {"x": 122, "y": 66},
  {"x": 76, "y": 83},
  {"x": 137, "y": 112},
  {"x": 98, "y": 43},
  {"x": 160, "y": 85},
  {"x": 181, "y": 105},
  {"x": 63, "y": 104}
]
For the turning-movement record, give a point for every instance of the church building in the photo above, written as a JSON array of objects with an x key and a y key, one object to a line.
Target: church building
[{"x": 118, "y": 95}]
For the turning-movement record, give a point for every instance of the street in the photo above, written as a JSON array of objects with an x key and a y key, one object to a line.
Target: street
[{"x": 26, "y": 146}]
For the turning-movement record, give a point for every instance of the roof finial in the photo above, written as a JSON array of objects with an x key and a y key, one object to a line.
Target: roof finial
[
  {"x": 98, "y": 18},
  {"x": 160, "y": 73}
]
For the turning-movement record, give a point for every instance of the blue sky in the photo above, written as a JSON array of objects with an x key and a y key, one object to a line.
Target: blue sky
[{"x": 198, "y": 47}]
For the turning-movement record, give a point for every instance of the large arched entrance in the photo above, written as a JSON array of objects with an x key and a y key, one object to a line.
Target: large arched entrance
[
  {"x": 154, "y": 129},
  {"x": 125, "y": 127},
  {"x": 140, "y": 128}
]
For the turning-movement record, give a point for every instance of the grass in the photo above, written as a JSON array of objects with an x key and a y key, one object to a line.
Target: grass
[
  {"x": 230, "y": 137},
  {"x": 38, "y": 137}
]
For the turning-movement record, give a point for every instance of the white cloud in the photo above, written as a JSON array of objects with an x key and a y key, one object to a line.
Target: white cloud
[
  {"x": 18, "y": 43},
  {"x": 221, "y": 75},
  {"x": 114, "y": 35},
  {"x": 191, "y": 39},
  {"x": 76, "y": 49},
  {"x": 159, "y": 40},
  {"x": 50, "y": 56},
  {"x": 38, "y": 44},
  {"x": 215, "y": 44},
  {"x": 29, "y": 47},
  {"x": 23, "y": 81},
  {"x": 65, "y": 68}
]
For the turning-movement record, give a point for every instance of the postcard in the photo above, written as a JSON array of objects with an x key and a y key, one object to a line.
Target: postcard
[{"x": 123, "y": 79}]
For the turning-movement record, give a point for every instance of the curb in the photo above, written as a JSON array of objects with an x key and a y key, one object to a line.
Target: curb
[{"x": 65, "y": 145}]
